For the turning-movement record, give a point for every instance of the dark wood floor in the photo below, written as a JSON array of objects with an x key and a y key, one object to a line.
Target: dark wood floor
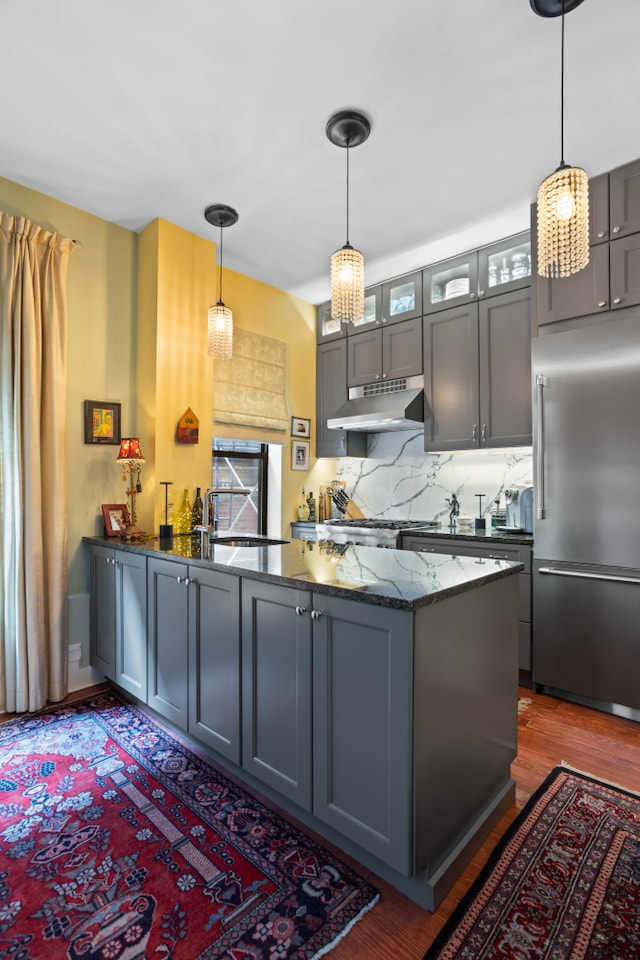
[{"x": 549, "y": 731}]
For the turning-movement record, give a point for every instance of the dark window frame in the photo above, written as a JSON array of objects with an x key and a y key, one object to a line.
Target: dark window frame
[{"x": 261, "y": 456}]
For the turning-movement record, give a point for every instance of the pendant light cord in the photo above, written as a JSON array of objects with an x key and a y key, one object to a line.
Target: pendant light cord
[
  {"x": 562, "y": 163},
  {"x": 348, "y": 140},
  {"x": 220, "y": 300}
]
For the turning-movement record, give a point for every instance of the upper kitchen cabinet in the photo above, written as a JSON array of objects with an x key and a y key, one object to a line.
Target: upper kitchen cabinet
[
  {"x": 624, "y": 199},
  {"x": 477, "y": 374},
  {"x": 599, "y": 209},
  {"x": 326, "y": 328},
  {"x": 402, "y": 298},
  {"x": 624, "y": 266},
  {"x": 579, "y": 295},
  {"x": 331, "y": 393},
  {"x": 504, "y": 266},
  {"x": 385, "y": 354},
  {"x": 372, "y": 310},
  {"x": 450, "y": 282}
]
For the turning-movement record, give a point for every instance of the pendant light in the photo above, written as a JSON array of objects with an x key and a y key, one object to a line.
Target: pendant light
[
  {"x": 347, "y": 128},
  {"x": 220, "y": 338},
  {"x": 563, "y": 198}
]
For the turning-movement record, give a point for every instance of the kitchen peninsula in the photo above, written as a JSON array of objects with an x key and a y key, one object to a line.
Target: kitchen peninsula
[{"x": 372, "y": 693}]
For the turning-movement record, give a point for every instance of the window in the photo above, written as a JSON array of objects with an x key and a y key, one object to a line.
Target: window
[{"x": 240, "y": 485}]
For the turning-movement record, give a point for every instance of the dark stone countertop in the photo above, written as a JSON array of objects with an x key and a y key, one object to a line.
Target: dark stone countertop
[{"x": 402, "y": 579}]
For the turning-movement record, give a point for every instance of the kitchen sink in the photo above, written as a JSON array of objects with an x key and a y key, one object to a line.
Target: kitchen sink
[{"x": 248, "y": 541}]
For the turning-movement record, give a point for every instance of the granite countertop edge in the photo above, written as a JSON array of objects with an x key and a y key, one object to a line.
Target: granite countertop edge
[{"x": 150, "y": 548}]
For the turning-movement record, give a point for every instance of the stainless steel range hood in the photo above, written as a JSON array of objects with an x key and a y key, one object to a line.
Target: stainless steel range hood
[{"x": 382, "y": 407}]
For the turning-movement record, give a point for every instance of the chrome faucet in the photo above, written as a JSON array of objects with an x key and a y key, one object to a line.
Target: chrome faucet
[{"x": 204, "y": 528}]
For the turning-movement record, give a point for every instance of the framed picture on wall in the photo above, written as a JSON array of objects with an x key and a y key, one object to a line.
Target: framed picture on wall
[
  {"x": 300, "y": 427},
  {"x": 101, "y": 422},
  {"x": 116, "y": 519},
  {"x": 300, "y": 454}
]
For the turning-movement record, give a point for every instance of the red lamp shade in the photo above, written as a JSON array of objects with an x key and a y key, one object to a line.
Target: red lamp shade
[{"x": 130, "y": 450}]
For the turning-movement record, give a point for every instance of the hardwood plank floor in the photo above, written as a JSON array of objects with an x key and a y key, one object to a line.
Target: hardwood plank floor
[{"x": 549, "y": 731}]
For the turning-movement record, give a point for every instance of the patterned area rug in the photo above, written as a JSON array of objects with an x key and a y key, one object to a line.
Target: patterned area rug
[
  {"x": 119, "y": 843},
  {"x": 562, "y": 884}
]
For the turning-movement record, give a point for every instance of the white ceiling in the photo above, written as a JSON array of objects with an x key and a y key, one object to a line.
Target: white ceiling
[{"x": 136, "y": 109}]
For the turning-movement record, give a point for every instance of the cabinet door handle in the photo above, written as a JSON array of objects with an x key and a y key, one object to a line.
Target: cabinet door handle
[
  {"x": 617, "y": 299},
  {"x": 497, "y": 556},
  {"x": 601, "y": 234},
  {"x": 602, "y": 303},
  {"x": 484, "y": 432},
  {"x": 481, "y": 293},
  {"x": 184, "y": 580},
  {"x": 301, "y": 610},
  {"x": 617, "y": 229},
  {"x": 316, "y": 614},
  {"x": 474, "y": 435}
]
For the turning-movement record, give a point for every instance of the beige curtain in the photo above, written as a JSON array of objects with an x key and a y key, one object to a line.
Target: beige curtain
[{"x": 33, "y": 489}]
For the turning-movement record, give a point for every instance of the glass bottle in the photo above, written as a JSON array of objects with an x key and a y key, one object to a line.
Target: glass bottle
[
  {"x": 505, "y": 274},
  {"x": 196, "y": 513},
  {"x": 303, "y": 509},
  {"x": 311, "y": 503},
  {"x": 185, "y": 524}
]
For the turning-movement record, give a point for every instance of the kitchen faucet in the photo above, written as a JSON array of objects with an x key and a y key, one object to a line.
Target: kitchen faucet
[{"x": 204, "y": 528}]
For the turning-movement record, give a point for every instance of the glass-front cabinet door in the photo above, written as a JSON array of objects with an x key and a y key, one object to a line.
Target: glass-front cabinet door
[
  {"x": 326, "y": 328},
  {"x": 402, "y": 298},
  {"x": 505, "y": 265},
  {"x": 372, "y": 310},
  {"x": 450, "y": 282}
]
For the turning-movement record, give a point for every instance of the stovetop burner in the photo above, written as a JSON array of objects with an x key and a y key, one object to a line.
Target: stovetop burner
[{"x": 381, "y": 524}]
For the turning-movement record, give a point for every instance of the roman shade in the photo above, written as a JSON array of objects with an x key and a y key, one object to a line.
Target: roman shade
[{"x": 250, "y": 390}]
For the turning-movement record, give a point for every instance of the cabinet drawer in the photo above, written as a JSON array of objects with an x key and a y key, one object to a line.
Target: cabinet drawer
[{"x": 470, "y": 548}]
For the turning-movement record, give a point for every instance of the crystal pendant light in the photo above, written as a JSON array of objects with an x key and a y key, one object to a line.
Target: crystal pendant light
[
  {"x": 347, "y": 128},
  {"x": 220, "y": 326},
  {"x": 563, "y": 198}
]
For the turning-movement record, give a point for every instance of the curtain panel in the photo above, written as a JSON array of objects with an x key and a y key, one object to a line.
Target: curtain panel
[{"x": 33, "y": 481}]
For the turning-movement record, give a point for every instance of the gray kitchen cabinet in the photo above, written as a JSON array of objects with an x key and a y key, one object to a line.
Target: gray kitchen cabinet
[
  {"x": 372, "y": 311},
  {"x": 331, "y": 393},
  {"x": 477, "y": 374},
  {"x": 599, "y": 229},
  {"x": 517, "y": 553},
  {"x": 451, "y": 372},
  {"x": 168, "y": 620},
  {"x": 505, "y": 369},
  {"x": 579, "y": 295},
  {"x": 102, "y": 633},
  {"x": 326, "y": 328},
  {"x": 386, "y": 353},
  {"x": 402, "y": 298},
  {"x": 504, "y": 266},
  {"x": 118, "y": 634},
  {"x": 276, "y": 688},
  {"x": 450, "y": 283},
  {"x": 214, "y": 660},
  {"x": 624, "y": 261},
  {"x": 362, "y": 712},
  {"x": 624, "y": 199}
]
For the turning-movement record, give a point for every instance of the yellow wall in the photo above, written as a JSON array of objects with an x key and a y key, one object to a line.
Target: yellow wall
[{"x": 155, "y": 364}]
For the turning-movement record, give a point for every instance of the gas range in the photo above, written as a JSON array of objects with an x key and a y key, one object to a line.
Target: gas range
[{"x": 371, "y": 532}]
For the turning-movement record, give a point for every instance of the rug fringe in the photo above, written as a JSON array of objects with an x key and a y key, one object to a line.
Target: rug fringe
[
  {"x": 607, "y": 783},
  {"x": 329, "y": 946}
]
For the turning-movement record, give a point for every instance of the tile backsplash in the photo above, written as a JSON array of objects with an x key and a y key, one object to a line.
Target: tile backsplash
[{"x": 399, "y": 481}]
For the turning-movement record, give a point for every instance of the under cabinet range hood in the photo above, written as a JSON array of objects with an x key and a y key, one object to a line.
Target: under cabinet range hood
[{"x": 382, "y": 407}]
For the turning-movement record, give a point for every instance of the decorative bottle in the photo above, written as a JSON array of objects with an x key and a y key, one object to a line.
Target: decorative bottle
[
  {"x": 185, "y": 524},
  {"x": 311, "y": 503},
  {"x": 303, "y": 509},
  {"x": 196, "y": 513}
]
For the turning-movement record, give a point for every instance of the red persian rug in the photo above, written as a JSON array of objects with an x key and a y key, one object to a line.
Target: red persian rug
[
  {"x": 562, "y": 884},
  {"x": 117, "y": 842}
]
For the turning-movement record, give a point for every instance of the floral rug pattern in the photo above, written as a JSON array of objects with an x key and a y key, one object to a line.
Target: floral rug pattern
[
  {"x": 562, "y": 884},
  {"x": 119, "y": 843}
]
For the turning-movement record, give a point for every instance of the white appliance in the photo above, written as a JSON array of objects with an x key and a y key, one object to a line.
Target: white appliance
[{"x": 519, "y": 508}]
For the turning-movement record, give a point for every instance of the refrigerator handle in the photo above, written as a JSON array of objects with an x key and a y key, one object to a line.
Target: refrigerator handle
[
  {"x": 541, "y": 382},
  {"x": 583, "y": 575}
]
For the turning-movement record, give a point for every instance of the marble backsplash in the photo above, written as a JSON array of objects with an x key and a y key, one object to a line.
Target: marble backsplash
[{"x": 399, "y": 481}]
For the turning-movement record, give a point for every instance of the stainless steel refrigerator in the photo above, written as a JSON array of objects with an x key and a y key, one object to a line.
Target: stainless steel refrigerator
[{"x": 586, "y": 639}]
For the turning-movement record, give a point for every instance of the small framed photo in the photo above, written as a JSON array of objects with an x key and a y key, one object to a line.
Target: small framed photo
[
  {"x": 101, "y": 422},
  {"x": 300, "y": 454},
  {"x": 116, "y": 519},
  {"x": 300, "y": 427}
]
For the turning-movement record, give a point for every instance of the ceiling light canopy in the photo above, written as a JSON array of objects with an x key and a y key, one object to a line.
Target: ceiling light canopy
[
  {"x": 347, "y": 128},
  {"x": 220, "y": 319},
  {"x": 563, "y": 197}
]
